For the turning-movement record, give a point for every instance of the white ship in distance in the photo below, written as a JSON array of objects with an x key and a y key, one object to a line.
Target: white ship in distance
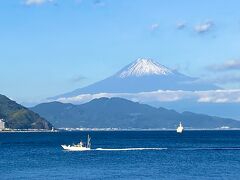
[
  {"x": 79, "y": 147},
  {"x": 180, "y": 128}
]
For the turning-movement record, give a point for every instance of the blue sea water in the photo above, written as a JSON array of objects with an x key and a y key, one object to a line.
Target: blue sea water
[{"x": 191, "y": 155}]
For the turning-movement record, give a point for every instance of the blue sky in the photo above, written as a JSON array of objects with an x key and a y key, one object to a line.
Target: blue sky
[{"x": 49, "y": 47}]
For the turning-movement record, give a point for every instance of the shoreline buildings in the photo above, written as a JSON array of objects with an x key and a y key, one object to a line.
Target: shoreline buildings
[{"x": 2, "y": 124}]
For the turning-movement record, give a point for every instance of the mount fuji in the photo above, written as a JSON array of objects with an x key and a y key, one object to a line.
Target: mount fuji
[{"x": 143, "y": 75}]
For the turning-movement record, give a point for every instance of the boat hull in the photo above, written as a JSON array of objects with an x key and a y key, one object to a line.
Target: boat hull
[
  {"x": 179, "y": 130},
  {"x": 72, "y": 148}
]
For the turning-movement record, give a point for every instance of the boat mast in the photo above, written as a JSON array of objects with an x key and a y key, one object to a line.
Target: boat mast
[{"x": 88, "y": 142}]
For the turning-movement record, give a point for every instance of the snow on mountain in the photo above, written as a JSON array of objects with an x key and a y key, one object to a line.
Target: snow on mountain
[
  {"x": 143, "y": 67},
  {"x": 143, "y": 75}
]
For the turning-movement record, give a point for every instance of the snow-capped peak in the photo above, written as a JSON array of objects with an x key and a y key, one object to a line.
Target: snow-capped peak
[{"x": 144, "y": 67}]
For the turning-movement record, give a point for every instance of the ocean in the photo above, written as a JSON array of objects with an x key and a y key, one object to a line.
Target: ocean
[{"x": 121, "y": 155}]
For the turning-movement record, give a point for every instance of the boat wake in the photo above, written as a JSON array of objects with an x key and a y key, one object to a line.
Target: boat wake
[
  {"x": 209, "y": 148},
  {"x": 129, "y": 149},
  {"x": 170, "y": 149}
]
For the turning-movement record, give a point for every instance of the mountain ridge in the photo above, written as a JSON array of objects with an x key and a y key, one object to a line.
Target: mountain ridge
[{"x": 122, "y": 113}]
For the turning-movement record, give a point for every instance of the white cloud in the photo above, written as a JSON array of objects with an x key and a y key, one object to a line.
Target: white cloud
[
  {"x": 99, "y": 3},
  {"x": 78, "y": 1},
  {"x": 77, "y": 79},
  {"x": 219, "y": 96},
  {"x": 154, "y": 26},
  {"x": 181, "y": 25},
  {"x": 222, "y": 79},
  {"x": 211, "y": 96},
  {"x": 203, "y": 27},
  {"x": 228, "y": 65},
  {"x": 37, "y": 2}
]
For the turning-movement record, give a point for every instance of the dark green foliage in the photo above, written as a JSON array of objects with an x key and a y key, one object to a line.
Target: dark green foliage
[
  {"x": 121, "y": 113},
  {"x": 19, "y": 117}
]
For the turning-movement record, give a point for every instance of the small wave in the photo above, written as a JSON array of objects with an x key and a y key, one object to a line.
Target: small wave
[{"x": 129, "y": 149}]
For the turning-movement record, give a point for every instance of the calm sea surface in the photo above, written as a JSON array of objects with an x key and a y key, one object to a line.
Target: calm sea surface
[{"x": 191, "y": 155}]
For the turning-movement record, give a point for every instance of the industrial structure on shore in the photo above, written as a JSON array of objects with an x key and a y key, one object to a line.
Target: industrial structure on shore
[{"x": 2, "y": 124}]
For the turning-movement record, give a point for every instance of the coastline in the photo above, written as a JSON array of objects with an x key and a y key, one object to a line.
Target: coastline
[
  {"x": 27, "y": 130},
  {"x": 108, "y": 129}
]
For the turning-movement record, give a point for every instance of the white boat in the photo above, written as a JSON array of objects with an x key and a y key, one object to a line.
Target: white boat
[
  {"x": 79, "y": 147},
  {"x": 180, "y": 128}
]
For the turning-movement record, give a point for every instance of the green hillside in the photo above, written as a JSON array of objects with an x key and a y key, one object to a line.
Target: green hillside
[{"x": 19, "y": 117}]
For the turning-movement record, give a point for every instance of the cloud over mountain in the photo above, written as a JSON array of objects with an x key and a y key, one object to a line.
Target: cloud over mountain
[{"x": 210, "y": 96}]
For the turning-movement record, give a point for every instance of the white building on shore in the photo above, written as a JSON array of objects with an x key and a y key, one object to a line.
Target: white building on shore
[{"x": 2, "y": 124}]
